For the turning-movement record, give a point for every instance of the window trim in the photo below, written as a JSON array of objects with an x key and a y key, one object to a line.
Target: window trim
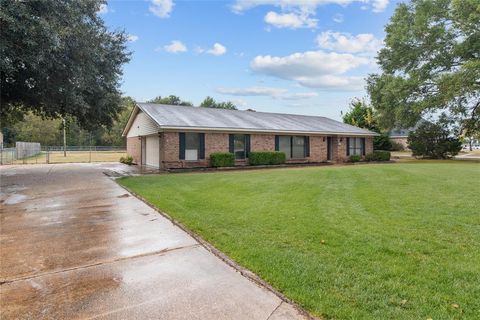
[
  {"x": 183, "y": 146},
  {"x": 353, "y": 148},
  {"x": 306, "y": 144},
  {"x": 246, "y": 145}
]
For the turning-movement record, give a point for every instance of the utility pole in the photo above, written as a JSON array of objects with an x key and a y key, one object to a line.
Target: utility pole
[{"x": 64, "y": 139}]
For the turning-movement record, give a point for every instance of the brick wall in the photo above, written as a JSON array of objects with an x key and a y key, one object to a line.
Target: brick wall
[
  {"x": 171, "y": 149},
  {"x": 318, "y": 149},
  {"x": 262, "y": 142},
  {"x": 368, "y": 145},
  {"x": 215, "y": 142},
  {"x": 134, "y": 149},
  {"x": 341, "y": 154},
  {"x": 218, "y": 142}
]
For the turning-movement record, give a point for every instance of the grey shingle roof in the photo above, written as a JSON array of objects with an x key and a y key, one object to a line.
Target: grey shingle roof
[{"x": 180, "y": 117}]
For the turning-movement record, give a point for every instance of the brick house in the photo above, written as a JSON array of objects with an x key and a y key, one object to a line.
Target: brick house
[
  {"x": 166, "y": 136},
  {"x": 400, "y": 136}
]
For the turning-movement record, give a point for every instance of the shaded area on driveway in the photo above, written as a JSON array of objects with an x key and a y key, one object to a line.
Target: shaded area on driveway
[{"x": 76, "y": 245}]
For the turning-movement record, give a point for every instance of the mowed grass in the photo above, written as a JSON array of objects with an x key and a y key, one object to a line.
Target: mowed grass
[{"x": 401, "y": 241}]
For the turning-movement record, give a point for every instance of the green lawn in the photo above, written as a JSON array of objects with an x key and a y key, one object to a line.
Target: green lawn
[{"x": 401, "y": 241}]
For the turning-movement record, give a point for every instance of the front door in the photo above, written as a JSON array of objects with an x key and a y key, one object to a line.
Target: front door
[{"x": 329, "y": 148}]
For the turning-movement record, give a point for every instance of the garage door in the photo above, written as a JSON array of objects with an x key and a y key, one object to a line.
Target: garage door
[{"x": 152, "y": 151}]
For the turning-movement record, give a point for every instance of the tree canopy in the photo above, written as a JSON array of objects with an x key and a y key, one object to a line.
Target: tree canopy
[
  {"x": 49, "y": 132},
  {"x": 364, "y": 116},
  {"x": 209, "y": 102},
  {"x": 361, "y": 115},
  {"x": 59, "y": 60},
  {"x": 430, "y": 64},
  {"x": 171, "y": 100}
]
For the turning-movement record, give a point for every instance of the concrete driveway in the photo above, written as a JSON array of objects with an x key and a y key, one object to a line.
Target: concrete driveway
[{"x": 76, "y": 245}]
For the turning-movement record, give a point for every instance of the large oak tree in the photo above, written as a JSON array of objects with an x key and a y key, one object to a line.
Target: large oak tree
[
  {"x": 430, "y": 64},
  {"x": 58, "y": 60}
]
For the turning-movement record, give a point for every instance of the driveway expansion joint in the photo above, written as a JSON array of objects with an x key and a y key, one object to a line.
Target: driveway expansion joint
[
  {"x": 276, "y": 308},
  {"x": 153, "y": 253}
]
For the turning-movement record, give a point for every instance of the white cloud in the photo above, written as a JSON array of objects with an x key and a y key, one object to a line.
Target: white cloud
[
  {"x": 103, "y": 9},
  {"x": 161, "y": 8},
  {"x": 253, "y": 91},
  {"x": 345, "y": 42},
  {"x": 308, "y": 63},
  {"x": 379, "y": 5},
  {"x": 217, "y": 50},
  {"x": 338, "y": 18},
  {"x": 132, "y": 38},
  {"x": 316, "y": 69},
  {"x": 290, "y": 20},
  {"x": 304, "y": 5},
  {"x": 345, "y": 83},
  {"x": 299, "y": 96},
  {"x": 175, "y": 46},
  {"x": 276, "y": 93}
]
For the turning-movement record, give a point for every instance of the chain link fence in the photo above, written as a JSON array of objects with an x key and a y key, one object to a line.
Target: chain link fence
[{"x": 58, "y": 154}]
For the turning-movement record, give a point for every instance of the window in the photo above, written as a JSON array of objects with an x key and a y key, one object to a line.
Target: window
[
  {"x": 294, "y": 147},
  {"x": 298, "y": 147},
  {"x": 191, "y": 146},
  {"x": 355, "y": 146},
  {"x": 285, "y": 145},
  {"x": 239, "y": 146}
]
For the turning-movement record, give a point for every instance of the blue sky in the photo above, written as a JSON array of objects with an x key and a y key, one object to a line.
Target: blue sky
[{"x": 290, "y": 56}]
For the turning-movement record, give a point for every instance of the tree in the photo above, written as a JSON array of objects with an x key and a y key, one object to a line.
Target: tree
[
  {"x": 57, "y": 60},
  {"x": 209, "y": 102},
  {"x": 430, "y": 63},
  {"x": 35, "y": 129},
  {"x": 433, "y": 140},
  {"x": 49, "y": 131},
  {"x": 360, "y": 115},
  {"x": 171, "y": 100},
  {"x": 364, "y": 116},
  {"x": 113, "y": 136}
]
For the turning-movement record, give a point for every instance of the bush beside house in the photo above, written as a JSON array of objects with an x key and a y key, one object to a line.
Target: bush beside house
[
  {"x": 355, "y": 158},
  {"x": 266, "y": 158},
  {"x": 127, "y": 160},
  {"x": 222, "y": 159},
  {"x": 378, "y": 155}
]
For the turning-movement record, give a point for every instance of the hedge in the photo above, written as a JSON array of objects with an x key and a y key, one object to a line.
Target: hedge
[
  {"x": 378, "y": 155},
  {"x": 355, "y": 158},
  {"x": 266, "y": 158},
  {"x": 222, "y": 159}
]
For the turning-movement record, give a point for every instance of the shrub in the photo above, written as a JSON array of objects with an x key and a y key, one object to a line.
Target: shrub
[
  {"x": 370, "y": 157},
  {"x": 378, "y": 155},
  {"x": 382, "y": 155},
  {"x": 266, "y": 157},
  {"x": 396, "y": 146},
  {"x": 222, "y": 159},
  {"x": 127, "y": 160},
  {"x": 382, "y": 142},
  {"x": 355, "y": 158},
  {"x": 432, "y": 140}
]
